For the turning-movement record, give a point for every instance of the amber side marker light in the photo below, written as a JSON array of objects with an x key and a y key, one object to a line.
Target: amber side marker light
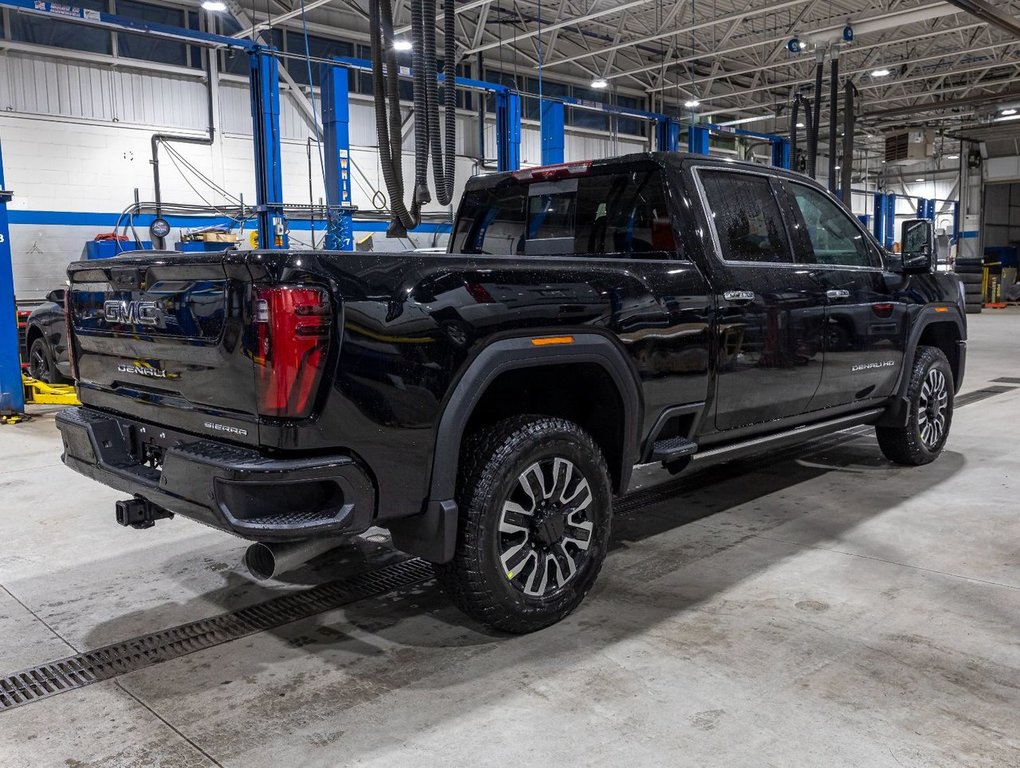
[
  {"x": 941, "y": 309},
  {"x": 548, "y": 341}
]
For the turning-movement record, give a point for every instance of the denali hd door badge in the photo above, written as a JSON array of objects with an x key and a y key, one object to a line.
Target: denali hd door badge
[{"x": 870, "y": 366}]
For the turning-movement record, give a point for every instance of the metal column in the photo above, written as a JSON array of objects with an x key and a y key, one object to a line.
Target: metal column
[
  {"x": 781, "y": 153},
  {"x": 508, "y": 131},
  {"x": 553, "y": 127},
  {"x": 667, "y": 136},
  {"x": 697, "y": 139},
  {"x": 265, "y": 117},
  {"x": 890, "y": 220},
  {"x": 12, "y": 396},
  {"x": 336, "y": 141}
]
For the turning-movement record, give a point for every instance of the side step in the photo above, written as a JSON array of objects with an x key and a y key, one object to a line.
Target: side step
[{"x": 673, "y": 448}]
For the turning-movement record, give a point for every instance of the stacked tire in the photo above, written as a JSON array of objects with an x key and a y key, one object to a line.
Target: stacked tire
[{"x": 971, "y": 273}]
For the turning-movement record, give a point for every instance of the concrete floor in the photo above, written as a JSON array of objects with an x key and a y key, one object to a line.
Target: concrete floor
[{"x": 814, "y": 608}]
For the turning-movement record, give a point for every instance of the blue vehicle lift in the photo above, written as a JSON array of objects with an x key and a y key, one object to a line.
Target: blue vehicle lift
[
  {"x": 12, "y": 394},
  {"x": 884, "y": 221}
]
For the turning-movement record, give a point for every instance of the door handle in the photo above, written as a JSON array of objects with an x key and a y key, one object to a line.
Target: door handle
[
  {"x": 739, "y": 297},
  {"x": 838, "y": 293}
]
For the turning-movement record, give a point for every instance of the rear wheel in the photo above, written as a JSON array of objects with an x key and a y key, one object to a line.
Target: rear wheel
[
  {"x": 930, "y": 394},
  {"x": 535, "y": 513}
]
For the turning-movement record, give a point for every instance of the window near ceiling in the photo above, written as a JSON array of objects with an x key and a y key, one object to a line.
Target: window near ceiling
[
  {"x": 44, "y": 30},
  {"x": 587, "y": 118},
  {"x": 235, "y": 62},
  {"x": 318, "y": 48},
  {"x": 746, "y": 217},
  {"x": 148, "y": 47},
  {"x": 630, "y": 125}
]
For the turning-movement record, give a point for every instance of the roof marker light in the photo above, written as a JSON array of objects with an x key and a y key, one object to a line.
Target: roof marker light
[{"x": 548, "y": 172}]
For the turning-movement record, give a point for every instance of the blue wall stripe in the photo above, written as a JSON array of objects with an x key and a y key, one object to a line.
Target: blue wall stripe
[{"x": 96, "y": 219}]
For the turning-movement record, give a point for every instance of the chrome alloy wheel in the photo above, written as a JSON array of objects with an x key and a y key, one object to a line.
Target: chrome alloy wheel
[
  {"x": 544, "y": 526},
  {"x": 931, "y": 408}
]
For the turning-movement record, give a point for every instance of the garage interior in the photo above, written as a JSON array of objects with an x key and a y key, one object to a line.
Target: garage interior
[{"x": 815, "y": 605}]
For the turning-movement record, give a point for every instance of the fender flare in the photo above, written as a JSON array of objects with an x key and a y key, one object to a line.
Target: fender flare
[
  {"x": 432, "y": 535},
  {"x": 896, "y": 413}
]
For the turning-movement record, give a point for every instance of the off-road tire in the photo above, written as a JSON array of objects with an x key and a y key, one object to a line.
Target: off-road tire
[
  {"x": 493, "y": 463},
  {"x": 914, "y": 443}
]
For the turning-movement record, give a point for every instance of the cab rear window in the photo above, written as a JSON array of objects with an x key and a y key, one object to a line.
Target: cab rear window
[{"x": 623, "y": 214}]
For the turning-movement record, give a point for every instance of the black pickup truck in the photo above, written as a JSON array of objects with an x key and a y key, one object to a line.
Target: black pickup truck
[{"x": 486, "y": 404}]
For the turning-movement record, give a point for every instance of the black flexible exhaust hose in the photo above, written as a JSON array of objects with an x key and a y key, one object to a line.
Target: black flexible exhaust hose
[
  {"x": 794, "y": 109},
  {"x": 812, "y": 161},
  {"x": 833, "y": 118},
  {"x": 443, "y": 158},
  {"x": 421, "y": 69},
  {"x": 386, "y": 93}
]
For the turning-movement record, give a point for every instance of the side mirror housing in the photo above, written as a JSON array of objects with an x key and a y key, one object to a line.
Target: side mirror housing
[
  {"x": 56, "y": 296},
  {"x": 917, "y": 246}
]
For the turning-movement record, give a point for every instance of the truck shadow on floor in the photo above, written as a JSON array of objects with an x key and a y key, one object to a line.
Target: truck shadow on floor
[{"x": 675, "y": 545}]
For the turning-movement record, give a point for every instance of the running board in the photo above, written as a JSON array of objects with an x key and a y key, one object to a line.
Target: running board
[
  {"x": 790, "y": 436},
  {"x": 673, "y": 449}
]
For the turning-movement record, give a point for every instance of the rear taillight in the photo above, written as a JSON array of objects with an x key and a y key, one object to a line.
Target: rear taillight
[
  {"x": 292, "y": 332},
  {"x": 68, "y": 335}
]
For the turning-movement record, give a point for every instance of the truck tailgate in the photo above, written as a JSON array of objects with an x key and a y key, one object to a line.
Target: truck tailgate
[{"x": 167, "y": 332}]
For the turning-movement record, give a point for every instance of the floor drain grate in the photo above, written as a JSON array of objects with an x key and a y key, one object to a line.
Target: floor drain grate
[
  {"x": 977, "y": 395},
  {"x": 77, "y": 671}
]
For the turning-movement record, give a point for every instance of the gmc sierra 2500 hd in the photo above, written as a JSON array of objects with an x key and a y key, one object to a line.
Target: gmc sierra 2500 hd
[{"x": 486, "y": 404}]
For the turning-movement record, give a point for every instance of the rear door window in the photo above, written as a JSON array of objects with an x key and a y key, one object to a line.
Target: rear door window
[
  {"x": 622, "y": 214},
  {"x": 745, "y": 214}
]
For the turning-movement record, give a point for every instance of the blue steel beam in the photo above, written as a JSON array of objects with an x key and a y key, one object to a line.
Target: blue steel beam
[
  {"x": 508, "y": 131},
  {"x": 265, "y": 114},
  {"x": 12, "y": 395},
  {"x": 66, "y": 12},
  {"x": 667, "y": 135},
  {"x": 336, "y": 145},
  {"x": 553, "y": 130},
  {"x": 697, "y": 139}
]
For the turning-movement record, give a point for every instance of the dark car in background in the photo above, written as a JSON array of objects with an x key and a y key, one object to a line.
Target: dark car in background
[{"x": 45, "y": 349}]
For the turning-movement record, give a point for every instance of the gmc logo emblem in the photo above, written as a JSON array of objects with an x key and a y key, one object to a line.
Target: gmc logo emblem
[{"x": 131, "y": 312}]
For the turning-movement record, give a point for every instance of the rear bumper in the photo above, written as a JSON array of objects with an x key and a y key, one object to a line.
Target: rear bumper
[{"x": 229, "y": 487}]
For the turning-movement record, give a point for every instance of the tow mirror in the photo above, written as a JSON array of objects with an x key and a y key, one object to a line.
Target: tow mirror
[{"x": 917, "y": 245}]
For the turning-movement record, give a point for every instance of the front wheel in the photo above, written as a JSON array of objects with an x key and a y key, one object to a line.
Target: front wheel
[
  {"x": 40, "y": 362},
  {"x": 535, "y": 514},
  {"x": 930, "y": 394}
]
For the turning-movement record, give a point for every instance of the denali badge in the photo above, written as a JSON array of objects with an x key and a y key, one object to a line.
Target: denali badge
[
  {"x": 225, "y": 428},
  {"x": 869, "y": 366},
  {"x": 131, "y": 312},
  {"x": 143, "y": 369}
]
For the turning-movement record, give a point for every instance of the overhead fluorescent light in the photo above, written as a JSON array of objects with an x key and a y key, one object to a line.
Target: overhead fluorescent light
[
  {"x": 692, "y": 103},
  {"x": 402, "y": 45},
  {"x": 214, "y": 5},
  {"x": 600, "y": 84},
  {"x": 952, "y": 157},
  {"x": 880, "y": 73},
  {"x": 800, "y": 125},
  {"x": 1008, "y": 112},
  {"x": 745, "y": 120},
  {"x": 918, "y": 180}
]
